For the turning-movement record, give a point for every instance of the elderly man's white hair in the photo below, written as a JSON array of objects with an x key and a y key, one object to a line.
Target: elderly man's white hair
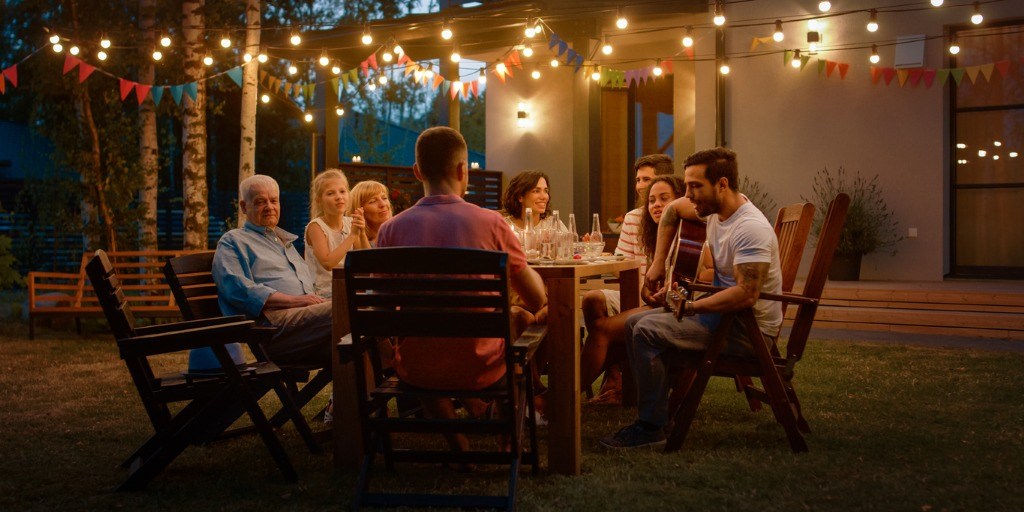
[{"x": 256, "y": 180}]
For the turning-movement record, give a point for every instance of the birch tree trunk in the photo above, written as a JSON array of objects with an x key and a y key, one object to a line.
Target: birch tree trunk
[
  {"x": 196, "y": 210},
  {"x": 147, "y": 128},
  {"x": 247, "y": 153}
]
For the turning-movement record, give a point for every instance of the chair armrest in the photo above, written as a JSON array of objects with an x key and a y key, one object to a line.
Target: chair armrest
[
  {"x": 184, "y": 339},
  {"x": 187, "y": 324},
  {"x": 528, "y": 342},
  {"x": 789, "y": 298}
]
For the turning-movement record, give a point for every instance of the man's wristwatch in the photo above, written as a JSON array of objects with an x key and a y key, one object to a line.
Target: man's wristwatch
[{"x": 688, "y": 308}]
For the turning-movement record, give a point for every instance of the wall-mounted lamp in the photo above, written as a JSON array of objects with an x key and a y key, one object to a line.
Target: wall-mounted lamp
[
  {"x": 474, "y": 165},
  {"x": 357, "y": 158},
  {"x": 523, "y": 118}
]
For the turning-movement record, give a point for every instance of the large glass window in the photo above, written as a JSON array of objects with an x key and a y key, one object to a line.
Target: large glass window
[{"x": 988, "y": 156}]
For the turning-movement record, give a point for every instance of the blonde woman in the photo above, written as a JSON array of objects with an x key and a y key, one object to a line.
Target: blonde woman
[
  {"x": 371, "y": 199},
  {"x": 331, "y": 234}
]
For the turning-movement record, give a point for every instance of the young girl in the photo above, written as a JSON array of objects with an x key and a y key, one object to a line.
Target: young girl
[
  {"x": 330, "y": 235},
  {"x": 371, "y": 199}
]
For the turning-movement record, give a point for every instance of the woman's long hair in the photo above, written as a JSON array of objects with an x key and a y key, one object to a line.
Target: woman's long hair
[
  {"x": 518, "y": 187},
  {"x": 649, "y": 228}
]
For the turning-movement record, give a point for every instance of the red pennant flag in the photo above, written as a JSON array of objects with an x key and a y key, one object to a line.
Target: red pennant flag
[
  {"x": 126, "y": 87},
  {"x": 667, "y": 66},
  {"x": 3, "y": 86},
  {"x": 372, "y": 59},
  {"x": 915, "y": 76},
  {"x": 889, "y": 74},
  {"x": 141, "y": 91},
  {"x": 875, "y": 75},
  {"x": 1004, "y": 67},
  {"x": 929, "y": 76},
  {"x": 84, "y": 70},
  {"x": 12, "y": 74},
  {"x": 402, "y": 59},
  {"x": 843, "y": 68},
  {"x": 689, "y": 52},
  {"x": 513, "y": 60},
  {"x": 365, "y": 67},
  {"x": 69, "y": 63},
  {"x": 830, "y": 66},
  {"x": 475, "y": 87}
]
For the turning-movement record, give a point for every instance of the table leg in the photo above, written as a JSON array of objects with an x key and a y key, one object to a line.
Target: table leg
[
  {"x": 347, "y": 428},
  {"x": 563, "y": 409},
  {"x": 629, "y": 298}
]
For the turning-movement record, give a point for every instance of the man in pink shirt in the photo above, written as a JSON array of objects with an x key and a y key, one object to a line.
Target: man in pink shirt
[{"x": 443, "y": 219}]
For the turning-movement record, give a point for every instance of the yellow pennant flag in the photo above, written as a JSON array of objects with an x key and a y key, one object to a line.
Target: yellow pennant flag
[
  {"x": 972, "y": 73},
  {"x": 986, "y": 71},
  {"x": 902, "y": 75}
]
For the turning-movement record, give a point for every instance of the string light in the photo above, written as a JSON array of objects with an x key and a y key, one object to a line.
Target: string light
[
  {"x": 336, "y": 69},
  {"x": 724, "y": 68},
  {"x": 778, "y": 36},
  {"x": 446, "y": 30},
  {"x": 606, "y": 48},
  {"x": 383, "y": 79},
  {"x": 536, "y": 72},
  {"x": 529, "y": 31},
  {"x": 499, "y": 67},
  {"x": 429, "y": 72},
  {"x": 528, "y": 51},
  {"x": 796, "y": 60},
  {"x": 225, "y": 41},
  {"x": 296, "y": 39},
  {"x": 824, "y": 6},
  {"x": 483, "y": 76},
  {"x": 54, "y": 39},
  {"x": 367, "y": 38},
  {"x": 208, "y": 59},
  {"x": 954, "y": 47},
  {"x": 105, "y": 42},
  {"x": 387, "y": 56},
  {"x": 262, "y": 57},
  {"x": 308, "y": 117},
  {"x": 157, "y": 55},
  {"x": 874, "y": 55},
  {"x": 339, "y": 111},
  {"x": 620, "y": 20},
  {"x": 555, "y": 63},
  {"x": 292, "y": 69},
  {"x": 265, "y": 98},
  {"x": 247, "y": 58},
  {"x": 324, "y": 61},
  {"x": 657, "y": 68},
  {"x": 371, "y": 86},
  {"x": 57, "y": 47},
  {"x": 398, "y": 49},
  {"x": 101, "y": 55},
  {"x": 688, "y": 38},
  {"x": 596, "y": 74},
  {"x": 719, "y": 18},
  {"x": 455, "y": 54},
  {"x": 165, "y": 40},
  {"x": 937, "y": 3},
  {"x": 873, "y": 21},
  {"x": 977, "y": 18},
  {"x": 74, "y": 50}
]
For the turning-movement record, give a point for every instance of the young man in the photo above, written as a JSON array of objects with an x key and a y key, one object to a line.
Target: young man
[
  {"x": 746, "y": 254},
  {"x": 441, "y": 165}
]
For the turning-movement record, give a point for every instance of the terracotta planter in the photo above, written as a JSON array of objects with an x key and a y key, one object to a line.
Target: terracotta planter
[{"x": 845, "y": 268}]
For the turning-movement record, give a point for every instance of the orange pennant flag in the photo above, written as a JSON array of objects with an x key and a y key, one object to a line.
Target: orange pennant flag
[
  {"x": 438, "y": 80},
  {"x": 513, "y": 59},
  {"x": 902, "y": 74},
  {"x": 3, "y": 86},
  {"x": 875, "y": 74},
  {"x": 475, "y": 87},
  {"x": 410, "y": 68},
  {"x": 843, "y": 68},
  {"x": 830, "y": 66}
]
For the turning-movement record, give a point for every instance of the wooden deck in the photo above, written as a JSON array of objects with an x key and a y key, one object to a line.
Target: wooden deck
[{"x": 987, "y": 309}]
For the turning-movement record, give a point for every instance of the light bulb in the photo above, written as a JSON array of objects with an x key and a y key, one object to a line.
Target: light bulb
[
  {"x": 335, "y": 69},
  {"x": 1013, "y": 154},
  {"x": 225, "y": 42},
  {"x": 528, "y": 51},
  {"x": 296, "y": 39},
  {"x": 247, "y": 58},
  {"x": 54, "y": 39},
  {"x": 977, "y": 18},
  {"x": 455, "y": 54},
  {"x": 446, "y": 31},
  {"x": 101, "y": 55},
  {"x": 308, "y": 117},
  {"x": 105, "y": 42},
  {"x": 74, "y": 50},
  {"x": 555, "y": 63},
  {"x": 873, "y": 21},
  {"x": 262, "y": 57},
  {"x": 265, "y": 98},
  {"x": 778, "y": 36},
  {"x": 208, "y": 60},
  {"x": 383, "y": 80},
  {"x": 324, "y": 61},
  {"x": 596, "y": 75},
  {"x": 954, "y": 48},
  {"x": 387, "y": 56},
  {"x": 157, "y": 55},
  {"x": 483, "y": 76},
  {"x": 995, "y": 157},
  {"x": 371, "y": 86},
  {"x": 165, "y": 40},
  {"x": 824, "y": 6},
  {"x": 688, "y": 38},
  {"x": 529, "y": 32},
  {"x": 499, "y": 67},
  {"x": 398, "y": 49},
  {"x": 535, "y": 74},
  {"x": 719, "y": 18},
  {"x": 292, "y": 70},
  {"x": 874, "y": 55},
  {"x": 339, "y": 111},
  {"x": 657, "y": 69},
  {"x": 417, "y": 75},
  {"x": 796, "y": 60},
  {"x": 57, "y": 47},
  {"x": 606, "y": 48},
  {"x": 982, "y": 153},
  {"x": 367, "y": 38},
  {"x": 429, "y": 73},
  {"x": 724, "y": 69},
  {"x": 813, "y": 24},
  {"x": 621, "y": 22},
  {"x": 937, "y": 3},
  {"x": 997, "y": 143}
]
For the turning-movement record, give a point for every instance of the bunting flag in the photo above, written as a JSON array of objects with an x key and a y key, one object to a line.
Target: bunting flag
[
  {"x": 758, "y": 41},
  {"x": 888, "y": 74},
  {"x": 3, "y": 86},
  {"x": 456, "y": 89},
  {"x": 475, "y": 87},
  {"x": 334, "y": 85},
  {"x": 986, "y": 71},
  {"x": 70, "y": 62},
  {"x": 176, "y": 91},
  {"x": 875, "y": 74},
  {"x": 957, "y": 74},
  {"x": 438, "y": 80},
  {"x": 1004, "y": 67},
  {"x": 445, "y": 84},
  {"x": 263, "y": 77},
  {"x": 787, "y": 57},
  {"x": 843, "y": 68},
  {"x": 126, "y": 87},
  {"x": 830, "y": 66},
  {"x": 157, "y": 93},
  {"x": 804, "y": 59},
  {"x": 344, "y": 80},
  {"x": 942, "y": 75},
  {"x": 192, "y": 90},
  {"x": 372, "y": 60},
  {"x": 562, "y": 48},
  {"x": 689, "y": 52},
  {"x": 365, "y": 66},
  {"x": 235, "y": 74},
  {"x": 513, "y": 59},
  {"x": 915, "y": 76},
  {"x": 902, "y": 75},
  {"x": 972, "y": 73},
  {"x": 11, "y": 74},
  {"x": 929, "y": 77},
  {"x": 84, "y": 70},
  {"x": 141, "y": 91},
  {"x": 822, "y": 64},
  {"x": 579, "y": 62},
  {"x": 553, "y": 41},
  {"x": 353, "y": 76}
]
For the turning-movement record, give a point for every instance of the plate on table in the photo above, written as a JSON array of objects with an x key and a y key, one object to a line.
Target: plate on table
[
  {"x": 611, "y": 257},
  {"x": 571, "y": 261}
]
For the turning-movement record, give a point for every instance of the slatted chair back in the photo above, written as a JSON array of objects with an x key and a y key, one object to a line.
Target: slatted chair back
[
  {"x": 792, "y": 228},
  {"x": 428, "y": 292},
  {"x": 110, "y": 295},
  {"x": 191, "y": 280}
]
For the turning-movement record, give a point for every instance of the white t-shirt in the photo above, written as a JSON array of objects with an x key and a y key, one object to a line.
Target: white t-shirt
[
  {"x": 748, "y": 237},
  {"x": 322, "y": 285}
]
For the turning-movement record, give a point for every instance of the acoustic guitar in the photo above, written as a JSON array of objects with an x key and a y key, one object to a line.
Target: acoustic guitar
[{"x": 683, "y": 260}]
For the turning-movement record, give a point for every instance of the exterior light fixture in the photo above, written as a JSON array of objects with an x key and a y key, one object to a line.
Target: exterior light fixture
[
  {"x": 719, "y": 18},
  {"x": 620, "y": 20},
  {"x": 688, "y": 38},
  {"x": 872, "y": 21},
  {"x": 446, "y": 30},
  {"x": 977, "y": 18},
  {"x": 367, "y": 38},
  {"x": 606, "y": 48},
  {"x": 874, "y": 55},
  {"x": 778, "y": 36},
  {"x": 724, "y": 68}
]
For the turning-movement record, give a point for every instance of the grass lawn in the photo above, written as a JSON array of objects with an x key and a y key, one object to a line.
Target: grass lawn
[{"x": 894, "y": 428}]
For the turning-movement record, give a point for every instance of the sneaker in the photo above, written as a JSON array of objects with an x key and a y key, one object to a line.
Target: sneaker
[{"x": 634, "y": 436}]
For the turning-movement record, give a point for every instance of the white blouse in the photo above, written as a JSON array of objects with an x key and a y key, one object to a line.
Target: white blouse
[{"x": 322, "y": 285}]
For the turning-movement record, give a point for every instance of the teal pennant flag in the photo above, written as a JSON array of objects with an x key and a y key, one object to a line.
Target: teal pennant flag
[
  {"x": 236, "y": 75},
  {"x": 176, "y": 93},
  {"x": 192, "y": 89},
  {"x": 157, "y": 93}
]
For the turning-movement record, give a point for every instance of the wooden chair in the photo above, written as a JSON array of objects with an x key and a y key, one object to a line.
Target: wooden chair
[
  {"x": 438, "y": 293},
  {"x": 775, "y": 372},
  {"x": 210, "y": 400},
  {"x": 190, "y": 278}
]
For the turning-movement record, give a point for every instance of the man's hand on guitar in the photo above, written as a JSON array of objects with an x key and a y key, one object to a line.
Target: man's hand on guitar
[{"x": 655, "y": 275}]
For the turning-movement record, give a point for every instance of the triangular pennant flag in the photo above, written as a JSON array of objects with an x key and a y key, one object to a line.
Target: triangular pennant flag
[
  {"x": 804, "y": 59},
  {"x": 275, "y": 84},
  {"x": 475, "y": 87},
  {"x": 365, "y": 66},
  {"x": 263, "y": 77},
  {"x": 410, "y": 68},
  {"x": 942, "y": 75},
  {"x": 902, "y": 74},
  {"x": 465, "y": 90},
  {"x": 830, "y": 66},
  {"x": 141, "y": 91},
  {"x": 787, "y": 57},
  {"x": 957, "y": 74},
  {"x": 553, "y": 41},
  {"x": 915, "y": 77},
  {"x": 972, "y": 73},
  {"x": 192, "y": 90},
  {"x": 12, "y": 74},
  {"x": 562, "y": 47},
  {"x": 235, "y": 74},
  {"x": 334, "y": 85},
  {"x": 84, "y": 70},
  {"x": 310, "y": 90},
  {"x": 514, "y": 59},
  {"x": 402, "y": 59},
  {"x": 570, "y": 56},
  {"x": 888, "y": 74},
  {"x": 3, "y": 86},
  {"x": 176, "y": 91},
  {"x": 875, "y": 74},
  {"x": 821, "y": 66},
  {"x": 69, "y": 63},
  {"x": 929, "y": 76},
  {"x": 579, "y": 61},
  {"x": 353, "y": 76},
  {"x": 754, "y": 43},
  {"x": 689, "y": 52},
  {"x": 645, "y": 75},
  {"x": 843, "y": 68},
  {"x": 445, "y": 85},
  {"x": 986, "y": 71},
  {"x": 157, "y": 93},
  {"x": 344, "y": 80},
  {"x": 372, "y": 60},
  {"x": 455, "y": 90},
  {"x": 438, "y": 80},
  {"x": 126, "y": 87},
  {"x": 1004, "y": 67}
]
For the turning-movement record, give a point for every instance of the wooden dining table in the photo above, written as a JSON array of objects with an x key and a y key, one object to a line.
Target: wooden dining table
[{"x": 563, "y": 409}]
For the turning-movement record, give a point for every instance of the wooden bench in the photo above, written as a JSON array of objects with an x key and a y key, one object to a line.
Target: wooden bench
[{"x": 69, "y": 295}]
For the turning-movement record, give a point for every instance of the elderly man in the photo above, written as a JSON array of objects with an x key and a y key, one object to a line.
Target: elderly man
[
  {"x": 746, "y": 254},
  {"x": 259, "y": 274},
  {"x": 441, "y": 165}
]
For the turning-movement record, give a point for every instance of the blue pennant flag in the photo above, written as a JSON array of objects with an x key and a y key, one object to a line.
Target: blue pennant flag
[
  {"x": 176, "y": 93},
  {"x": 158, "y": 93},
  {"x": 192, "y": 89},
  {"x": 570, "y": 56},
  {"x": 236, "y": 75},
  {"x": 554, "y": 40},
  {"x": 444, "y": 87},
  {"x": 562, "y": 47},
  {"x": 579, "y": 62}
]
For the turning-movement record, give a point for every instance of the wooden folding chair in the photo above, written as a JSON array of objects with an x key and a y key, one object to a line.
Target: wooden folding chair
[
  {"x": 775, "y": 372},
  {"x": 210, "y": 400},
  {"x": 190, "y": 278},
  {"x": 436, "y": 293}
]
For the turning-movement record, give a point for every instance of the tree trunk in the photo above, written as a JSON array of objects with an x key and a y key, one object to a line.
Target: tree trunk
[
  {"x": 147, "y": 123},
  {"x": 196, "y": 210},
  {"x": 247, "y": 153}
]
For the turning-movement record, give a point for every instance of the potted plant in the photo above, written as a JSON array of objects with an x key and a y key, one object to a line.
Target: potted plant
[{"x": 870, "y": 224}]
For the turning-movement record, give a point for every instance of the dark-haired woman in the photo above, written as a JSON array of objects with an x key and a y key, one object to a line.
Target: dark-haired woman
[{"x": 528, "y": 189}]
